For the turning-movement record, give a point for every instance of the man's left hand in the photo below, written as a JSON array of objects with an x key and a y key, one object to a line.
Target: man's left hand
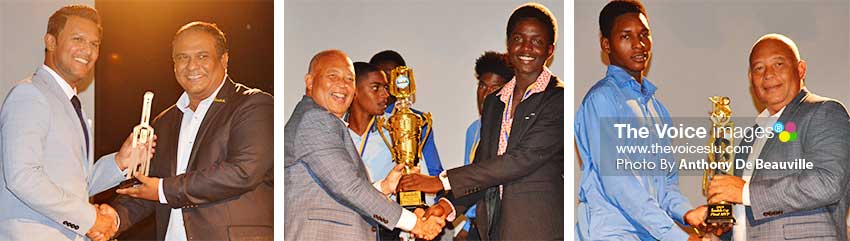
[
  {"x": 148, "y": 190},
  {"x": 696, "y": 217},
  {"x": 419, "y": 182},
  {"x": 726, "y": 188},
  {"x": 129, "y": 155}
]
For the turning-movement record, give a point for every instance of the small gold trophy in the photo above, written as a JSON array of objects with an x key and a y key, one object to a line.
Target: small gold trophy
[
  {"x": 719, "y": 214},
  {"x": 142, "y": 135},
  {"x": 405, "y": 129}
]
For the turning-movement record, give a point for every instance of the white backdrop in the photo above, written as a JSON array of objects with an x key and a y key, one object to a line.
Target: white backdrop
[
  {"x": 701, "y": 49},
  {"x": 440, "y": 40}
]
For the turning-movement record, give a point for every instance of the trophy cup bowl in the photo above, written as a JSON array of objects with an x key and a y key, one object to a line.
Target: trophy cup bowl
[{"x": 142, "y": 136}]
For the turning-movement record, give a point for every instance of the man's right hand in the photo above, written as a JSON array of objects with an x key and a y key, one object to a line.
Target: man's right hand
[
  {"x": 105, "y": 225},
  {"x": 427, "y": 227}
]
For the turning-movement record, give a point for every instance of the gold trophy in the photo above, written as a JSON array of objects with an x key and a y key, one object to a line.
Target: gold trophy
[
  {"x": 142, "y": 135},
  {"x": 405, "y": 129},
  {"x": 719, "y": 214}
]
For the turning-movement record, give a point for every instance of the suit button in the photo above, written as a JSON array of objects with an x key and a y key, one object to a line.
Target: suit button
[{"x": 374, "y": 229}]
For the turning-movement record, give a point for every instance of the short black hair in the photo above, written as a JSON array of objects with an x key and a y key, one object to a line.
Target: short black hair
[
  {"x": 57, "y": 21},
  {"x": 616, "y": 8},
  {"x": 205, "y": 27},
  {"x": 361, "y": 69},
  {"x": 387, "y": 55},
  {"x": 492, "y": 62},
  {"x": 534, "y": 11}
]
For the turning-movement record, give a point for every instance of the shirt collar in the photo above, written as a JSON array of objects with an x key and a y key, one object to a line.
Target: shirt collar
[
  {"x": 538, "y": 86},
  {"x": 70, "y": 92},
  {"x": 183, "y": 101},
  {"x": 624, "y": 80},
  {"x": 765, "y": 119}
]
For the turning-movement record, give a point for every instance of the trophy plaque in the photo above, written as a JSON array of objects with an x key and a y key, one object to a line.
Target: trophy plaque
[
  {"x": 142, "y": 135},
  {"x": 719, "y": 214},
  {"x": 405, "y": 129}
]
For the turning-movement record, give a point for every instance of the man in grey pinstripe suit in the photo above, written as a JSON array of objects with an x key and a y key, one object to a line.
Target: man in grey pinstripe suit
[
  {"x": 783, "y": 204},
  {"x": 328, "y": 194}
]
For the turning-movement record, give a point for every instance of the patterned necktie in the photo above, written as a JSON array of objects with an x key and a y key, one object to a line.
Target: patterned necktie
[{"x": 77, "y": 107}]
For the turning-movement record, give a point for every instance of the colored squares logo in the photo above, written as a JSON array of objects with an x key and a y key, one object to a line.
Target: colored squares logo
[{"x": 787, "y": 131}]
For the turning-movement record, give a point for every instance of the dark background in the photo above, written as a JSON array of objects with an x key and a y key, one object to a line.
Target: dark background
[{"x": 135, "y": 56}]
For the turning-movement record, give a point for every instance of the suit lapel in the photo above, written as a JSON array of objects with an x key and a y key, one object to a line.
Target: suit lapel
[
  {"x": 215, "y": 107},
  {"x": 787, "y": 114},
  {"x": 526, "y": 113},
  {"x": 169, "y": 133},
  {"x": 524, "y": 116},
  {"x": 42, "y": 77}
]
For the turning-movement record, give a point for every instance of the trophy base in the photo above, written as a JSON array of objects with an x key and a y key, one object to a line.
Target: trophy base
[
  {"x": 129, "y": 183},
  {"x": 720, "y": 214},
  {"x": 411, "y": 200}
]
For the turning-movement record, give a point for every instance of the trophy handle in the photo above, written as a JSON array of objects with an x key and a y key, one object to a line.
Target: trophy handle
[
  {"x": 379, "y": 123},
  {"x": 428, "y": 121},
  {"x": 146, "y": 161}
]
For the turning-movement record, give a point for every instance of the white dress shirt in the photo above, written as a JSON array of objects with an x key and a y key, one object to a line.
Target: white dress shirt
[
  {"x": 188, "y": 130},
  {"x": 739, "y": 230},
  {"x": 69, "y": 91}
]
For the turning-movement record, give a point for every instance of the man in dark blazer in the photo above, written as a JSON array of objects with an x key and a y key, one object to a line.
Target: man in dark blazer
[
  {"x": 517, "y": 175},
  {"x": 211, "y": 175},
  {"x": 799, "y": 202}
]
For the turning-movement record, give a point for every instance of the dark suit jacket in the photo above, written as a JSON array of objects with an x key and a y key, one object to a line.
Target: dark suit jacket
[
  {"x": 226, "y": 192},
  {"x": 531, "y": 170}
]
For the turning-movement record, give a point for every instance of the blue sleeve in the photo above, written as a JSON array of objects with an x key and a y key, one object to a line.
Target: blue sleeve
[
  {"x": 470, "y": 215},
  {"x": 470, "y": 139},
  {"x": 624, "y": 191},
  {"x": 673, "y": 201}
]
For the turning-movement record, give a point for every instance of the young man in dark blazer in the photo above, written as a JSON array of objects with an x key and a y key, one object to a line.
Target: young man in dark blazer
[{"x": 516, "y": 178}]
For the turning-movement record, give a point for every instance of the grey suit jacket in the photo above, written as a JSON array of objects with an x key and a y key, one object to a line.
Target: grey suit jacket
[
  {"x": 804, "y": 204},
  {"x": 328, "y": 195},
  {"x": 47, "y": 178}
]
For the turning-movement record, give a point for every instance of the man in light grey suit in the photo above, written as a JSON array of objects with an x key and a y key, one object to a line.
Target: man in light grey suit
[
  {"x": 328, "y": 193},
  {"x": 795, "y": 203},
  {"x": 47, "y": 171}
]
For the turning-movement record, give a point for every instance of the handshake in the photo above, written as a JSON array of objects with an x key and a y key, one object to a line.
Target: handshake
[
  {"x": 105, "y": 225},
  {"x": 430, "y": 222}
]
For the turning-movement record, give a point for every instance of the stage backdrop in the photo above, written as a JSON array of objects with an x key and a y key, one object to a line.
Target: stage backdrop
[
  {"x": 440, "y": 40},
  {"x": 701, "y": 49}
]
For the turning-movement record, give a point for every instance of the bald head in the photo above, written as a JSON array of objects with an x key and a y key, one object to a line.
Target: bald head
[
  {"x": 330, "y": 81},
  {"x": 321, "y": 56},
  {"x": 778, "y": 40}
]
